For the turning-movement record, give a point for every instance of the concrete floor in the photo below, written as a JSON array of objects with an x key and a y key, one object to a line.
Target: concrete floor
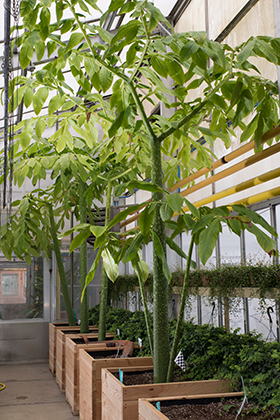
[{"x": 31, "y": 393}]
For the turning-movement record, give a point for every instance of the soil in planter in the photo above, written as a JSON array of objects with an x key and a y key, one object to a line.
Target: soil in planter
[
  {"x": 141, "y": 378},
  {"x": 109, "y": 354},
  {"x": 226, "y": 409}
]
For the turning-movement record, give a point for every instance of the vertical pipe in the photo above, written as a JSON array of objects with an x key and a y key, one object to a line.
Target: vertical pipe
[
  {"x": 242, "y": 248},
  {"x": 7, "y": 27},
  {"x": 278, "y": 319},
  {"x": 220, "y": 313},
  {"x": 199, "y": 310},
  {"x": 198, "y": 298},
  {"x": 72, "y": 265},
  {"x": 276, "y": 12},
  {"x": 273, "y": 222},
  {"x": 246, "y": 315}
]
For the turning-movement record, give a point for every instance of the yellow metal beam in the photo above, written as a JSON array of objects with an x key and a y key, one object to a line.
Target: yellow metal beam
[
  {"x": 257, "y": 198},
  {"x": 233, "y": 169},
  {"x": 226, "y": 159},
  {"x": 237, "y": 188}
]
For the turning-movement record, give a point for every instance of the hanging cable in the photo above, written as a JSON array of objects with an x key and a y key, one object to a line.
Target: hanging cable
[
  {"x": 271, "y": 335},
  {"x": 211, "y": 320}
]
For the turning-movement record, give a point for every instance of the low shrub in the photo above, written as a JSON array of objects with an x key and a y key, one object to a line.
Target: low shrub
[{"x": 212, "y": 352}]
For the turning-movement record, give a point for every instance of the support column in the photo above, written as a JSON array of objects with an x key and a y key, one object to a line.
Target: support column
[
  {"x": 246, "y": 315},
  {"x": 7, "y": 28},
  {"x": 220, "y": 313},
  {"x": 276, "y": 12},
  {"x": 199, "y": 310},
  {"x": 277, "y": 304}
]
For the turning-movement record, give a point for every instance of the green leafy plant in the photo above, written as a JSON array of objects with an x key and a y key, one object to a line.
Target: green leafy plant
[{"x": 135, "y": 62}]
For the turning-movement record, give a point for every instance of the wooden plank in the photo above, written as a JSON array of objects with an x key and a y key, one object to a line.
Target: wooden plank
[
  {"x": 60, "y": 351},
  {"x": 148, "y": 411},
  {"x": 72, "y": 390},
  {"x": 113, "y": 389},
  {"x": 109, "y": 411},
  {"x": 197, "y": 397},
  {"x": 90, "y": 380},
  {"x": 127, "y": 396},
  {"x": 173, "y": 389}
]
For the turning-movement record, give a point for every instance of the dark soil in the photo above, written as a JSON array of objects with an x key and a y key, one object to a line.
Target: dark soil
[{"x": 225, "y": 410}]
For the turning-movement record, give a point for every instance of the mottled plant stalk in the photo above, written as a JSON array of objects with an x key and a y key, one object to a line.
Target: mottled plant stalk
[
  {"x": 83, "y": 261},
  {"x": 61, "y": 271},
  {"x": 104, "y": 278},
  {"x": 146, "y": 310},
  {"x": 181, "y": 314},
  {"x": 160, "y": 285}
]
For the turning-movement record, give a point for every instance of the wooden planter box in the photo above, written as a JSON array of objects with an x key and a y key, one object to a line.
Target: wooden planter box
[
  {"x": 52, "y": 340},
  {"x": 90, "y": 378},
  {"x": 120, "y": 402},
  {"x": 72, "y": 368},
  {"x": 60, "y": 354},
  {"x": 147, "y": 411}
]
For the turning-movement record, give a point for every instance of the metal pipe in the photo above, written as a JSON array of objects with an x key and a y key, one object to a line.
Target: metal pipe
[
  {"x": 226, "y": 159},
  {"x": 274, "y": 192},
  {"x": 223, "y": 174},
  {"x": 237, "y": 188},
  {"x": 233, "y": 169},
  {"x": 7, "y": 27}
]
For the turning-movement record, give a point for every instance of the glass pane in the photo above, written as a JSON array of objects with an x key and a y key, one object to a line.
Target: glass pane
[
  {"x": 209, "y": 311},
  {"x": 254, "y": 253},
  {"x": 236, "y": 316},
  {"x": 21, "y": 289},
  {"x": 230, "y": 247},
  {"x": 260, "y": 321},
  {"x": 94, "y": 287}
]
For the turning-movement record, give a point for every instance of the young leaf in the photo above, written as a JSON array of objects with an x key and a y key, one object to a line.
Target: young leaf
[
  {"x": 266, "y": 243},
  {"x": 161, "y": 254},
  {"x": 97, "y": 230},
  {"x": 79, "y": 239},
  {"x": 166, "y": 212},
  {"x": 123, "y": 215},
  {"x": 194, "y": 211},
  {"x": 141, "y": 269},
  {"x": 134, "y": 247},
  {"x": 175, "y": 201},
  {"x": 175, "y": 247},
  {"x": 116, "y": 125},
  {"x": 92, "y": 270},
  {"x": 55, "y": 103},
  {"x": 74, "y": 40},
  {"x": 145, "y": 220},
  {"x": 26, "y": 7},
  {"x": 39, "y": 99},
  {"x": 25, "y": 55},
  {"x": 111, "y": 268},
  {"x": 207, "y": 240}
]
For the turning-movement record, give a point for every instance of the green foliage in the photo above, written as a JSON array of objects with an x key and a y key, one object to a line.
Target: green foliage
[
  {"x": 229, "y": 92},
  {"x": 222, "y": 282},
  {"x": 211, "y": 353}
]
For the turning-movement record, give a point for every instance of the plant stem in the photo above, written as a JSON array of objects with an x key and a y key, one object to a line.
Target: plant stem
[
  {"x": 104, "y": 278},
  {"x": 181, "y": 314},
  {"x": 61, "y": 271},
  {"x": 160, "y": 287},
  {"x": 83, "y": 261},
  {"x": 146, "y": 311}
]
